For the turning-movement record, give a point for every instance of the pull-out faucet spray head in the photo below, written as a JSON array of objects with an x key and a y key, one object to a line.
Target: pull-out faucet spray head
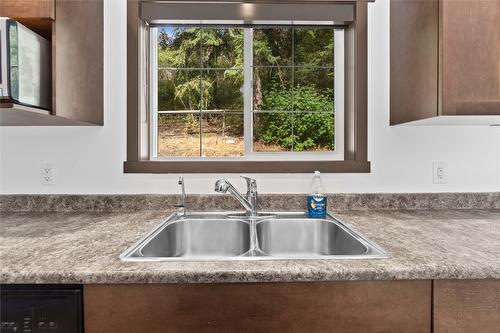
[
  {"x": 249, "y": 202},
  {"x": 221, "y": 186}
]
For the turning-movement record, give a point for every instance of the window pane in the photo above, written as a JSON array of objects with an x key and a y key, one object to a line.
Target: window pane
[
  {"x": 313, "y": 47},
  {"x": 272, "y": 46},
  {"x": 272, "y": 131},
  {"x": 222, "y": 47},
  {"x": 222, "y": 135},
  {"x": 313, "y": 131},
  {"x": 179, "y": 47},
  {"x": 223, "y": 90},
  {"x": 313, "y": 89},
  {"x": 178, "y": 135},
  {"x": 200, "y": 90},
  {"x": 272, "y": 89},
  {"x": 178, "y": 90}
]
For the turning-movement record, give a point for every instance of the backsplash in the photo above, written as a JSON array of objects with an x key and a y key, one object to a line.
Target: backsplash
[{"x": 277, "y": 202}]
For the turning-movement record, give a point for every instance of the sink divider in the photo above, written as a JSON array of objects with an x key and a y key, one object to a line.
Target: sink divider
[{"x": 254, "y": 241}]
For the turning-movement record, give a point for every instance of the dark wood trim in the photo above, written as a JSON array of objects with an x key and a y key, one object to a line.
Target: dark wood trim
[
  {"x": 356, "y": 113},
  {"x": 22, "y": 9},
  {"x": 339, "y": 12},
  {"x": 361, "y": 83},
  {"x": 245, "y": 166},
  {"x": 280, "y": 1},
  {"x": 133, "y": 26},
  {"x": 355, "y": 306}
]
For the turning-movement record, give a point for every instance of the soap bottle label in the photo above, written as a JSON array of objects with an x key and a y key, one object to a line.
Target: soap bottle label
[{"x": 316, "y": 205}]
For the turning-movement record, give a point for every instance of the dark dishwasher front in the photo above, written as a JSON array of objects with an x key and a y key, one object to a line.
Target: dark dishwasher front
[{"x": 41, "y": 309}]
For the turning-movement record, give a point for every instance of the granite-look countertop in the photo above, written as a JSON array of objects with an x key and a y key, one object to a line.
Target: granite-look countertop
[{"x": 79, "y": 247}]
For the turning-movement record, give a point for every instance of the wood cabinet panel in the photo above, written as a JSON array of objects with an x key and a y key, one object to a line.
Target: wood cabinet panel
[
  {"x": 414, "y": 54},
  {"x": 466, "y": 306},
  {"x": 78, "y": 53},
  {"x": 445, "y": 58},
  {"x": 27, "y": 8},
  {"x": 383, "y": 306},
  {"x": 470, "y": 57}
]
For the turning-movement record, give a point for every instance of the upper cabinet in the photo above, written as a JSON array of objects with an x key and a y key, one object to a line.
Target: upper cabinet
[
  {"x": 445, "y": 59},
  {"x": 74, "y": 30},
  {"x": 470, "y": 57}
]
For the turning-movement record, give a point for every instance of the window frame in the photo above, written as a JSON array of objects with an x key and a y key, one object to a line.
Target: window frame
[{"x": 139, "y": 120}]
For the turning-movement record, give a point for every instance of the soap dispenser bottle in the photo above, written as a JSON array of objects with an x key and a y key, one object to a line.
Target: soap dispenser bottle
[{"x": 316, "y": 198}]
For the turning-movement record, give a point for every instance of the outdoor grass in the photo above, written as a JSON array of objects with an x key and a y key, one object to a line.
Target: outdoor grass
[{"x": 215, "y": 145}]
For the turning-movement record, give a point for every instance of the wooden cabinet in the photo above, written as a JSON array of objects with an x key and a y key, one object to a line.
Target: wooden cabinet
[
  {"x": 371, "y": 306},
  {"x": 75, "y": 29},
  {"x": 27, "y": 8},
  {"x": 79, "y": 62},
  {"x": 445, "y": 58},
  {"x": 464, "y": 306},
  {"x": 470, "y": 57},
  {"x": 414, "y": 60},
  {"x": 35, "y": 14}
]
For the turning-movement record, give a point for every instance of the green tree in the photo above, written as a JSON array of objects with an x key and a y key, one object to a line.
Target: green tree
[{"x": 217, "y": 85}]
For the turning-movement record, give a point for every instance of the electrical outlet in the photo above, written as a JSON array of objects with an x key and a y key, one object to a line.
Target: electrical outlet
[
  {"x": 439, "y": 173},
  {"x": 47, "y": 174}
]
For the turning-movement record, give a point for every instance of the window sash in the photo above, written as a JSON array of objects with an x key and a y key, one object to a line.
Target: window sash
[{"x": 248, "y": 112}]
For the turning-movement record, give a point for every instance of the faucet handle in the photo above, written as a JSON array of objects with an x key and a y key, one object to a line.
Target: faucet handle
[{"x": 251, "y": 183}]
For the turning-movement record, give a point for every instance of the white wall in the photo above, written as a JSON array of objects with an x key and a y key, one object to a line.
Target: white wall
[{"x": 90, "y": 159}]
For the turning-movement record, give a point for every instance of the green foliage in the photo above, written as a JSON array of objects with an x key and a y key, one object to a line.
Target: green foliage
[
  {"x": 314, "y": 47},
  {"x": 311, "y": 130},
  {"x": 181, "y": 89},
  {"x": 220, "y": 89}
]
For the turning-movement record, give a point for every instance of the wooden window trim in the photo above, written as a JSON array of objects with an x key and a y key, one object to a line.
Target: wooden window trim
[{"x": 356, "y": 117}]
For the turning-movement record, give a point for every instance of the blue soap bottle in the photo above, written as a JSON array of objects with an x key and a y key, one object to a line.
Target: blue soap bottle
[{"x": 316, "y": 198}]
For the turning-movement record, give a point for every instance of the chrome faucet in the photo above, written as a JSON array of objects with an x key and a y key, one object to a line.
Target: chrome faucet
[
  {"x": 249, "y": 201},
  {"x": 182, "y": 204}
]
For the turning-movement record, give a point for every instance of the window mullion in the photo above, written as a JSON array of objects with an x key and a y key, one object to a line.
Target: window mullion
[
  {"x": 202, "y": 97},
  {"x": 248, "y": 90},
  {"x": 153, "y": 91}
]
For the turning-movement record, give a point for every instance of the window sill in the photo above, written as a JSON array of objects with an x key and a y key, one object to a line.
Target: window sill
[{"x": 246, "y": 166}]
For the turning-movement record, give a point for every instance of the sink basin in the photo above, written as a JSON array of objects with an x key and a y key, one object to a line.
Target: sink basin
[
  {"x": 196, "y": 238},
  {"x": 302, "y": 237},
  {"x": 234, "y": 236}
]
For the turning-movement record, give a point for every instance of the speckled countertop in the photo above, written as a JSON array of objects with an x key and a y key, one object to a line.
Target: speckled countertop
[{"x": 83, "y": 247}]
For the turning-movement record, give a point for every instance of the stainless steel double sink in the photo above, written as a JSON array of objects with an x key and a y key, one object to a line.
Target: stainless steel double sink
[{"x": 235, "y": 236}]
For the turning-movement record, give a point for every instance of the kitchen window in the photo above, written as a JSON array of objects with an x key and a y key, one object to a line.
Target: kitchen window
[{"x": 244, "y": 87}]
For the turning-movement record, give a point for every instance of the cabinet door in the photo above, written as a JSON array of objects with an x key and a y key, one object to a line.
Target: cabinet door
[
  {"x": 414, "y": 45},
  {"x": 342, "y": 307},
  {"x": 470, "y": 46},
  {"x": 466, "y": 306},
  {"x": 79, "y": 61}
]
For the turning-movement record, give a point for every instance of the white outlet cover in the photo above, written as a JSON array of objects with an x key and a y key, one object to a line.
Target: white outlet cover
[
  {"x": 439, "y": 172},
  {"x": 47, "y": 174}
]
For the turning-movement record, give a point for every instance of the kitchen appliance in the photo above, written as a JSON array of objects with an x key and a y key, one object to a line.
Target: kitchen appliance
[
  {"x": 25, "y": 66},
  {"x": 41, "y": 308}
]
